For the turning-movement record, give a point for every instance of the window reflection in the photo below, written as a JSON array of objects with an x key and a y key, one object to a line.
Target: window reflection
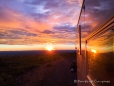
[
  {"x": 100, "y": 58},
  {"x": 95, "y": 14}
]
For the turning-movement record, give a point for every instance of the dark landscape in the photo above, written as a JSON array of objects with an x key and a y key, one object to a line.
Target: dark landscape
[{"x": 37, "y": 68}]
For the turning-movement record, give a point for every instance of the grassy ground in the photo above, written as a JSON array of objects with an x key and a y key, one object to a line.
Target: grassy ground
[{"x": 12, "y": 66}]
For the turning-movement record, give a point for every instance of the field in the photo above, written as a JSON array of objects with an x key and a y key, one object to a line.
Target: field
[{"x": 13, "y": 65}]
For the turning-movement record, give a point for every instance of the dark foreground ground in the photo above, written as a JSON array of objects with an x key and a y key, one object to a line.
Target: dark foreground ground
[
  {"x": 56, "y": 73},
  {"x": 37, "y": 68}
]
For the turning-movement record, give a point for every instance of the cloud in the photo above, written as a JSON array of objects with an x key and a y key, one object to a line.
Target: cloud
[
  {"x": 80, "y": 2},
  {"x": 48, "y": 32},
  {"x": 96, "y": 14},
  {"x": 65, "y": 27},
  {"x": 37, "y": 21},
  {"x": 22, "y": 32},
  {"x": 97, "y": 8}
]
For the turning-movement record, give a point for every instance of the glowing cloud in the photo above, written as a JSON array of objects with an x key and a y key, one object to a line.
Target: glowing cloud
[{"x": 29, "y": 22}]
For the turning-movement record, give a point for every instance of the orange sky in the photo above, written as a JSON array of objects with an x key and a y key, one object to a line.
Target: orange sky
[
  {"x": 34, "y": 47},
  {"x": 31, "y": 24}
]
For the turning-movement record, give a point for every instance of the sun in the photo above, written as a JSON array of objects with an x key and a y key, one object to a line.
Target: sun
[
  {"x": 49, "y": 47},
  {"x": 94, "y": 51}
]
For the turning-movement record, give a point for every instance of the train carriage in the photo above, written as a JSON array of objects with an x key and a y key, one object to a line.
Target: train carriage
[{"x": 95, "y": 43}]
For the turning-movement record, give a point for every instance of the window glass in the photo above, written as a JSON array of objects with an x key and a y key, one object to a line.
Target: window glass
[
  {"x": 100, "y": 58},
  {"x": 95, "y": 14}
]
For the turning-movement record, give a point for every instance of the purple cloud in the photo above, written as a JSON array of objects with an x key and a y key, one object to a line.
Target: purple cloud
[
  {"x": 65, "y": 27},
  {"x": 30, "y": 21},
  {"x": 47, "y": 32}
]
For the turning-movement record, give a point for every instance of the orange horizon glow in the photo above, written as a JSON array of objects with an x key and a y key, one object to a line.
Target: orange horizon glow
[{"x": 4, "y": 47}]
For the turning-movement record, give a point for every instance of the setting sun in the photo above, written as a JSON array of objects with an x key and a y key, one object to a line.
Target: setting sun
[
  {"x": 49, "y": 47},
  {"x": 94, "y": 51}
]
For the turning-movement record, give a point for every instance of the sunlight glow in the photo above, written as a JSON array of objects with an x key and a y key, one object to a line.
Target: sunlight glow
[
  {"x": 49, "y": 47},
  {"x": 94, "y": 51}
]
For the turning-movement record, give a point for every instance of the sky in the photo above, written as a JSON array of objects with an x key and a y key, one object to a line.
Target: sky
[{"x": 35, "y": 24}]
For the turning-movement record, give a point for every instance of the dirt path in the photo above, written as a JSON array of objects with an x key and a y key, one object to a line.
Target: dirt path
[{"x": 56, "y": 73}]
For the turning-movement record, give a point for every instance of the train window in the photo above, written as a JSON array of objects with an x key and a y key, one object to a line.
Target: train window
[
  {"x": 78, "y": 35},
  {"x": 100, "y": 55}
]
